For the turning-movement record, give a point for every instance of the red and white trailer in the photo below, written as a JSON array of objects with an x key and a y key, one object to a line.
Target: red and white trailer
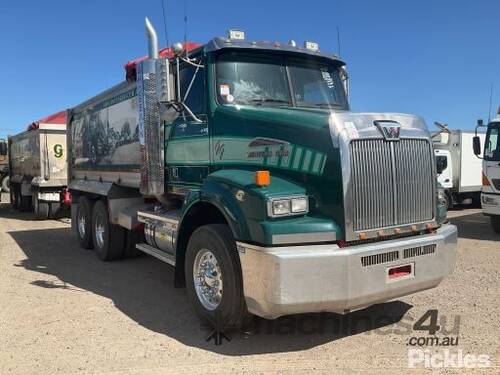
[{"x": 38, "y": 167}]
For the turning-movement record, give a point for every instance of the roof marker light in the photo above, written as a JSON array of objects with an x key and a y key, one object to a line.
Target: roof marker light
[
  {"x": 311, "y": 46},
  {"x": 236, "y": 34}
]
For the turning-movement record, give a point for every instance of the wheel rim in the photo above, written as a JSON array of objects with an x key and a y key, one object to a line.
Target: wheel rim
[
  {"x": 81, "y": 225},
  {"x": 99, "y": 231},
  {"x": 207, "y": 277}
]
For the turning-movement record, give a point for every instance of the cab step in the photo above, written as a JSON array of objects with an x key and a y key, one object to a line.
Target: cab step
[{"x": 153, "y": 251}]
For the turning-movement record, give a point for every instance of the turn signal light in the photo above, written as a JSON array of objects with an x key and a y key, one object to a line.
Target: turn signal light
[
  {"x": 262, "y": 178},
  {"x": 362, "y": 236},
  {"x": 486, "y": 182}
]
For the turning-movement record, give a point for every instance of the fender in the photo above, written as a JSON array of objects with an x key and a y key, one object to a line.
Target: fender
[{"x": 244, "y": 207}]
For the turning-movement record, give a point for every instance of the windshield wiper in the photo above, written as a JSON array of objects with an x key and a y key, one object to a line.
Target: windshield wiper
[{"x": 269, "y": 100}]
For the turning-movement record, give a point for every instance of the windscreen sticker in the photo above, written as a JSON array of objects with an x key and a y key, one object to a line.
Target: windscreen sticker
[
  {"x": 224, "y": 90},
  {"x": 352, "y": 132},
  {"x": 327, "y": 77}
]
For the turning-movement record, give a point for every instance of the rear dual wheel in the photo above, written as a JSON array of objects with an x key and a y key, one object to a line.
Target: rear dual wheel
[
  {"x": 109, "y": 239},
  {"x": 41, "y": 209},
  {"x": 84, "y": 223}
]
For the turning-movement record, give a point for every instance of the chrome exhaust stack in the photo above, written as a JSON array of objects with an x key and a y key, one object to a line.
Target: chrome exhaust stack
[{"x": 152, "y": 40}]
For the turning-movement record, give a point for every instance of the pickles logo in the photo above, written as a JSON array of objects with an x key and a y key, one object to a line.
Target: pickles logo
[{"x": 58, "y": 150}]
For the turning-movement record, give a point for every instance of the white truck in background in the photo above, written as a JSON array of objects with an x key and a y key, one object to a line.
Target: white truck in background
[
  {"x": 459, "y": 170},
  {"x": 490, "y": 194}
]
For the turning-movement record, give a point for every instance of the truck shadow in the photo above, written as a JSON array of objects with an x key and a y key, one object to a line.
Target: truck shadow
[
  {"x": 475, "y": 226},
  {"x": 142, "y": 288}
]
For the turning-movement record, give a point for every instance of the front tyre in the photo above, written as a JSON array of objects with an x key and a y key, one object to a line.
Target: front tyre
[{"x": 213, "y": 277}]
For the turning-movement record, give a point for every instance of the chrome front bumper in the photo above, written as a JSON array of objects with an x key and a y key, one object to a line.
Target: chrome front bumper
[{"x": 298, "y": 279}]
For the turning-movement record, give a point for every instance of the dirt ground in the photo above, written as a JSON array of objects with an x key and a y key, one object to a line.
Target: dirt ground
[{"x": 62, "y": 311}]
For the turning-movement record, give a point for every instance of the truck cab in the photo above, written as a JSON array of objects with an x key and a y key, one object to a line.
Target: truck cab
[
  {"x": 254, "y": 179},
  {"x": 490, "y": 195}
]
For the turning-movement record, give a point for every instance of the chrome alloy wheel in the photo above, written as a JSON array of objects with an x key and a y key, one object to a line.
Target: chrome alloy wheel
[
  {"x": 207, "y": 277},
  {"x": 81, "y": 224},
  {"x": 99, "y": 231}
]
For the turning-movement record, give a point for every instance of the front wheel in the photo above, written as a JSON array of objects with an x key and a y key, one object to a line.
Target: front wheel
[
  {"x": 495, "y": 223},
  {"x": 213, "y": 277}
]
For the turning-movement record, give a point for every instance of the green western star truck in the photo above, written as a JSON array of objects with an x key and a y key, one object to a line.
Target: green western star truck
[{"x": 240, "y": 164}]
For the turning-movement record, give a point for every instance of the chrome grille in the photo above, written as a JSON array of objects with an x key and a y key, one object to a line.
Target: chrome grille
[{"x": 392, "y": 182}]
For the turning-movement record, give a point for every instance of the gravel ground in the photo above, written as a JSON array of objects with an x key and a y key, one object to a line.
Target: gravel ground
[{"x": 62, "y": 311}]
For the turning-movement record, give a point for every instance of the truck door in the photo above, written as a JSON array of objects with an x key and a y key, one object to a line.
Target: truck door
[
  {"x": 491, "y": 161},
  {"x": 443, "y": 158},
  {"x": 187, "y": 140}
]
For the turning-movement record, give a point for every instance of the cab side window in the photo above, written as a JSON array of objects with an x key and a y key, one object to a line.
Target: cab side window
[{"x": 195, "y": 99}]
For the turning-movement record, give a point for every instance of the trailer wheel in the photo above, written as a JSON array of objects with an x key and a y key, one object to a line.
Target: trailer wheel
[
  {"x": 109, "y": 239},
  {"x": 84, "y": 223},
  {"x": 54, "y": 211},
  {"x": 495, "y": 223},
  {"x": 25, "y": 201},
  {"x": 6, "y": 184},
  {"x": 213, "y": 277},
  {"x": 41, "y": 208}
]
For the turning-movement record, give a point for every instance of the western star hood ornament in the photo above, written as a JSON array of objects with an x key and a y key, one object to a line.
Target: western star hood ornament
[{"x": 389, "y": 129}]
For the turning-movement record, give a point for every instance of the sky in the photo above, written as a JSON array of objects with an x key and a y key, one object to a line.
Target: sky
[{"x": 436, "y": 59}]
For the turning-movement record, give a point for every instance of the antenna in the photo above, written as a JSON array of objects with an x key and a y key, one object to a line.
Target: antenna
[
  {"x": 491, "y": 98},
  {"x": 185, "y": 27},
  {"x": 165, "y": 21},
  {"x": 338, "y": 39}
]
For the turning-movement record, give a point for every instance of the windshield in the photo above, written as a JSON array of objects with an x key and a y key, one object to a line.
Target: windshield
[
  {"x": 261, "y": 79},
  {"x": 492, "y": 147}
]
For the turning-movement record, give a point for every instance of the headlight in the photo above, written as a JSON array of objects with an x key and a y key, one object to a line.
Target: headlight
[{"x": 287, "y": 206}]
